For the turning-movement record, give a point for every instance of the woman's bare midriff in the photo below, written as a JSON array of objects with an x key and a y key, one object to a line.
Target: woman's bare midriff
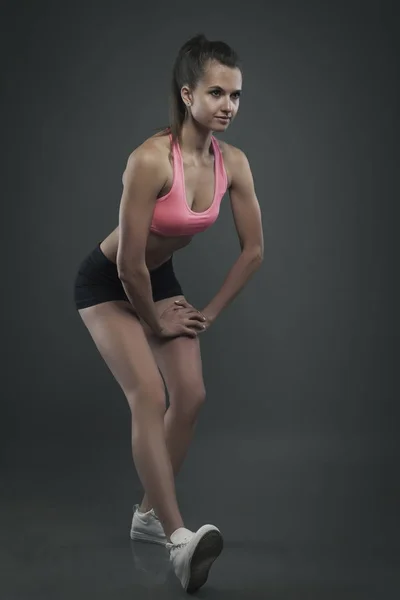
[{"x": 158, "y": 250}]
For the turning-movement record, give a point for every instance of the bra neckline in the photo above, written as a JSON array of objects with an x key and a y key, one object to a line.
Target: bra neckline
[{"x": 194, "y": 212}]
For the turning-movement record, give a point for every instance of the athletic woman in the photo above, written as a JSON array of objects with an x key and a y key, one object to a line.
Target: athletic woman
[{"x": 133, "y": 306}]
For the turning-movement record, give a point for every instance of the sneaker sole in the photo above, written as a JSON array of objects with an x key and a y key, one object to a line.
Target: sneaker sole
[{"x": 207, "y": 550}]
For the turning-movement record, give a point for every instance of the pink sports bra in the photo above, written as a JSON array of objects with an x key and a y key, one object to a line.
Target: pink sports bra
[{"x": 172, "y": 216}]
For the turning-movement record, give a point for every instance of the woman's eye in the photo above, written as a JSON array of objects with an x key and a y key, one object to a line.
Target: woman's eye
[{"x": 236, "y": 96}]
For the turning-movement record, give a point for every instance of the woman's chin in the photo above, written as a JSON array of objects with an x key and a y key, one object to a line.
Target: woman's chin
[{"x": 220, "y": 125}]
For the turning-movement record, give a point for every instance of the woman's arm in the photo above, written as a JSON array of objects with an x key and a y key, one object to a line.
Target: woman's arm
[
  {"x": 143, "y": 179},
  {"x": 247, "y": 217}
]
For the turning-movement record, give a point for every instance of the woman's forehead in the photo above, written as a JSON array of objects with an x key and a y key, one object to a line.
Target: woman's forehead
[{"x": 222, "y": 76}]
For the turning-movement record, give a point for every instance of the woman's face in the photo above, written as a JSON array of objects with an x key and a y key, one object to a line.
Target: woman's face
[{"x": 217, "y": 95}]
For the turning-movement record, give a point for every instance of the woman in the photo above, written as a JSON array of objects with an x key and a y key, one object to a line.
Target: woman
[{"x": 133, "y": 305}]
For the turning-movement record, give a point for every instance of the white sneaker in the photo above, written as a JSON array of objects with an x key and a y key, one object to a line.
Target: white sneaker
[
  {"x": 192, "y": 554},
  {"x": 146, "y": 527}
]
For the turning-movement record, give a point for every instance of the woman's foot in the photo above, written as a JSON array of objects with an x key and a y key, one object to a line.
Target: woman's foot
[
  {"x": 193, "y": 553},
  {"x": 146, "y": 527}
]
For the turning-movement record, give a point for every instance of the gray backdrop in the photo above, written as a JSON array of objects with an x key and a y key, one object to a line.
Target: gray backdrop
[{"x": 299, "y": 429}]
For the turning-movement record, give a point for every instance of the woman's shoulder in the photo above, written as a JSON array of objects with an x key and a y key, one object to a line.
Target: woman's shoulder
[
  {"x": 153, "y": 150},
  {"x": 157, "y": 147},
  {"x": 231, "y": 156},
  {"x": 228, "y": 150}
]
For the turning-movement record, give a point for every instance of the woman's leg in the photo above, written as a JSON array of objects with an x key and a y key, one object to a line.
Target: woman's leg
[
  {"x": 121, "y": 341},
  {"x": 179, "y": 361}
]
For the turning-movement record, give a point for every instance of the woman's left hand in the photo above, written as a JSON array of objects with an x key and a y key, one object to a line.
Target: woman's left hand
[{"x": 206, "y": 319}]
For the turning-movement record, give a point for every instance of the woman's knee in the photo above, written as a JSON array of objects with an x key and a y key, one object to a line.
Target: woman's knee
[
  {"x": 148, "y": 397},
  {"x": 187, "y": 398}
]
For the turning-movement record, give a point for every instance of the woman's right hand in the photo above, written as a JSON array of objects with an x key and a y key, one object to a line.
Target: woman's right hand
[{"x": 177, "y": 320}]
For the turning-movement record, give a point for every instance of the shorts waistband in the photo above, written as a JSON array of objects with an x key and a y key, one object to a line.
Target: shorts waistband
[{"x": 99, "y": 251}]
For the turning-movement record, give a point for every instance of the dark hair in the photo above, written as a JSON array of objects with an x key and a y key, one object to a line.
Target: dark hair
[{"x": 189, "y": 68}]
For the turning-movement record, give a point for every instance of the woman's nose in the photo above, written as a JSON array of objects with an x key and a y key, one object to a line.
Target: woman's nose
[{"x": 227, "y": 105}]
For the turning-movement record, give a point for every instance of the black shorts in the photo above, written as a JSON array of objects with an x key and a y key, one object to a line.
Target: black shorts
[{"x": 97, "y": 281}]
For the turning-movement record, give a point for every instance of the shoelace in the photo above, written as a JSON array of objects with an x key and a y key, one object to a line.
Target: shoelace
[
  {"x": 170, "y": 545},
  {"x": 180, "y": 545}
]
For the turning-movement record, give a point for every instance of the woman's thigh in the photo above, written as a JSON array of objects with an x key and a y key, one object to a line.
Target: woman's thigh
[
  {"x": 179, "y": 360},
  {"x": 122, "y": 343}
]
